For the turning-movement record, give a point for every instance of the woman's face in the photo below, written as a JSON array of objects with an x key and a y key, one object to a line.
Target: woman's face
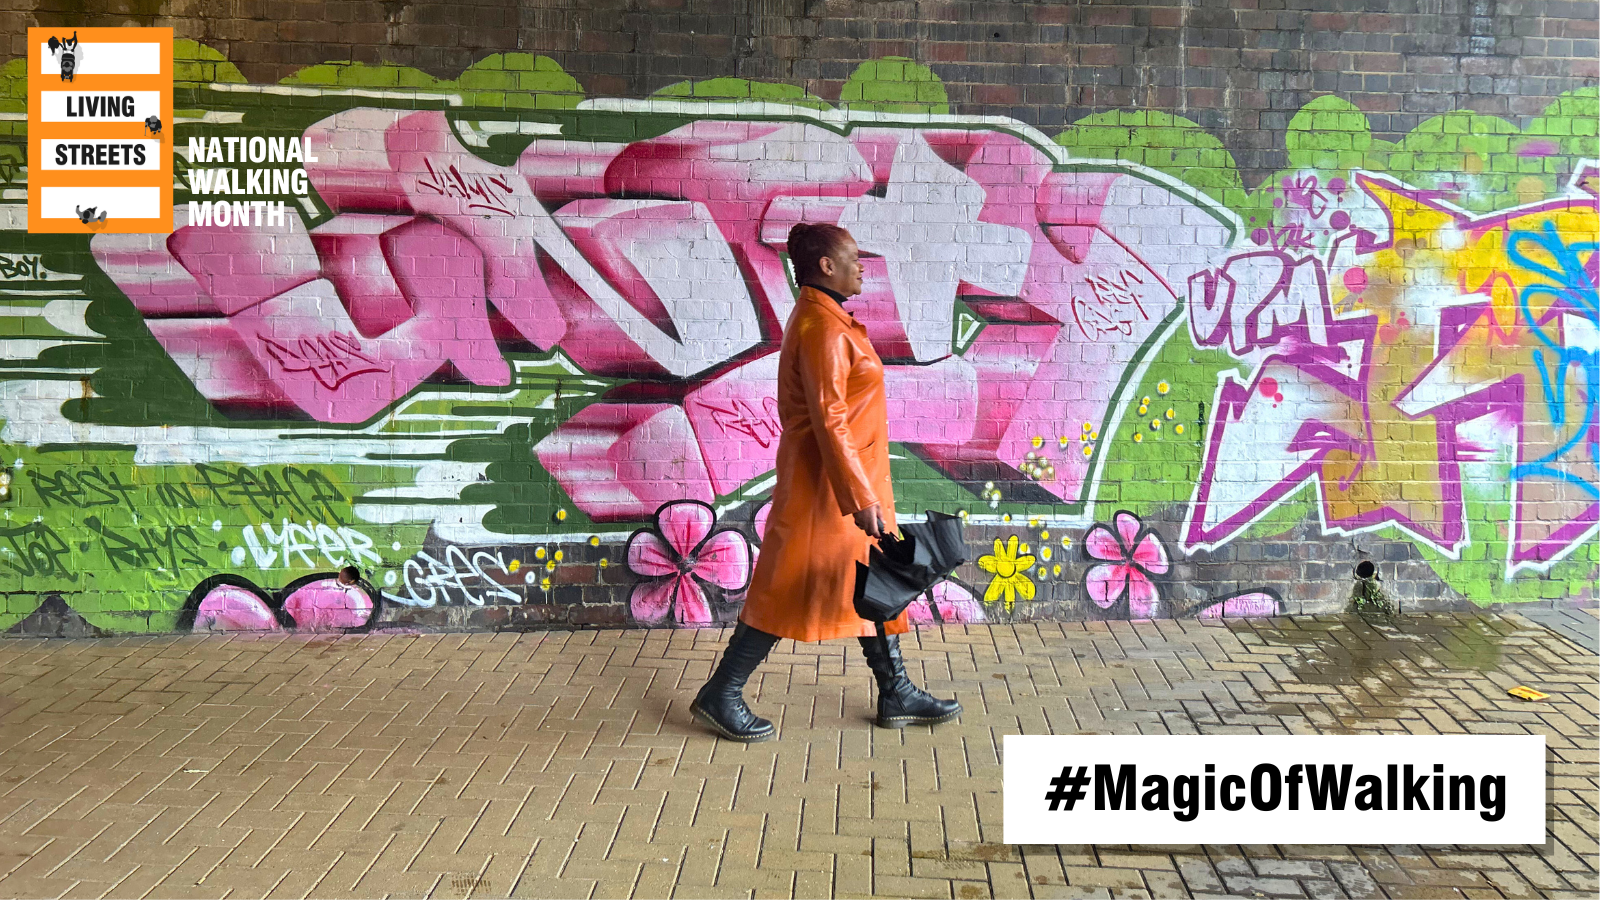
[{"x": 842, "y": 270}]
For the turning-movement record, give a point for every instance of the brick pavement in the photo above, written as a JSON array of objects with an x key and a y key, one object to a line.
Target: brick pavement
[{"x": 565, "y": 763}]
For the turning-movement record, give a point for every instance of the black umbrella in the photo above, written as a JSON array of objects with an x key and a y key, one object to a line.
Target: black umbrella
[{"x": 901, "y": 569}]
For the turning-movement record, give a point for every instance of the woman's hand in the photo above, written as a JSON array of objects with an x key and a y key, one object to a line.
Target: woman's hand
[{"x": 868, "y": 520}]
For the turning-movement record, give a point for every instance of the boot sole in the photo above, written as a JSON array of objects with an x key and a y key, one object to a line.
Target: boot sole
[
  {"x": 705, "y": 719},
  {"x": 903, "y": 721}
]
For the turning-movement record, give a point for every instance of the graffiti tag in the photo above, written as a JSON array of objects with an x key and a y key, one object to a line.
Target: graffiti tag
[
  {"x": 36, "y": 550},
  {"x": 760, "y": 424},
  {"x": 306, "y": 492},
  {"x": 1109, "y": 306},
  {"x": 24, "y": 267},
  {"x": 430, "y": 581},
  {"x": 482, "y": 192},
  {"x": 333, "y": 358},
  {"x": 83, "y": 489},
  {"x": 338, "y": 546},
  {"x": 1305, "y": 192},
  {"x": 169, "y": 548}
]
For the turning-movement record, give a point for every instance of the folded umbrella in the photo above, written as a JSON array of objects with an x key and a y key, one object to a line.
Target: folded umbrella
[
  {"x": 900, "y": 569},
  {"x": 941, "y": 535}
]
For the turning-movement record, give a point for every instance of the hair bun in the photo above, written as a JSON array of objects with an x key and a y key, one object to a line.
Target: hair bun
[{"x": 808, "y": 243}]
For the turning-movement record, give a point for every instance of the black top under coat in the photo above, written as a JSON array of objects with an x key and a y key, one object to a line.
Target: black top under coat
[{"x": 837, "y": 297}]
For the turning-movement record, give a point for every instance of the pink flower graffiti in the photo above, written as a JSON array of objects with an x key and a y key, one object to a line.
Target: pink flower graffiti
[
  {"x": 677, "y": 555},
  {"x": 953, "y": 603},
  {"x": 1130, "y": 557}
]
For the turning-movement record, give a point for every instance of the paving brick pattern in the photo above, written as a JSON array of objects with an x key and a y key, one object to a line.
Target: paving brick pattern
[{"x": 565, "y": 764}]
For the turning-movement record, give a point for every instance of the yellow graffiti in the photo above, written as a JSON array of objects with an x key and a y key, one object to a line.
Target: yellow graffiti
[{"x": 1530, "y": 273}]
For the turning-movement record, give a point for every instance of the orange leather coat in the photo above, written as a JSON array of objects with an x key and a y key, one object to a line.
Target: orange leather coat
[{"x": 833, "y": 459}]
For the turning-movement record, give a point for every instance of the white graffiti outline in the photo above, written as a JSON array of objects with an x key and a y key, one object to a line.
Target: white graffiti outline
[{"x": 454, "y": 572}]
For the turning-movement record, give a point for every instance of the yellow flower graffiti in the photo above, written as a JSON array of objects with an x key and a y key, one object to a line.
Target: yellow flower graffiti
[{"x": 1007, "y": 564}]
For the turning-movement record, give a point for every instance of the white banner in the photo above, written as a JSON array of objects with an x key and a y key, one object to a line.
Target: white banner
[
  {"x": 91, "y": 58},
  {"x": 115, "y": 202},
  {"x": 99, "y": 106},
  {"x": 1274, "y": 789},
  {"x": 99, "y": 153}
]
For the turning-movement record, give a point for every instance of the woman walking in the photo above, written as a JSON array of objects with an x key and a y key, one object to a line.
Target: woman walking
[{"x": 832, "y": 498}]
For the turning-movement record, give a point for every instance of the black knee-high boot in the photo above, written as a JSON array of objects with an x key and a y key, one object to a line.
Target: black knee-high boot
[
  {"x": 720, "y": 704},
  {"x": 901, "y": 703}
]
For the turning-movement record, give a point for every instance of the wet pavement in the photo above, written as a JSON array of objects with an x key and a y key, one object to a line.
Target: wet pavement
[
  {"x": 1577, "y": 625},
  {"x": 565, "y": 763}
]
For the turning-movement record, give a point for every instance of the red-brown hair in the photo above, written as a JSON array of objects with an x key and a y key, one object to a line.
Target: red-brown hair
[{"x": 808, "y": 244}]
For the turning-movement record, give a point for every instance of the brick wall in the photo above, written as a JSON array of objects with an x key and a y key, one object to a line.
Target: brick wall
[
  {"x": 1189, "y": 309},
  {"x": 1239, "y": 69}
]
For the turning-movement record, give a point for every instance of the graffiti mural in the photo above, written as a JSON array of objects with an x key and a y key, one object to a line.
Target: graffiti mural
[
  {"x": 687, "y": 291},
  {"x": 1384, "y": 366},
  {"x": 515, "y": 349}
]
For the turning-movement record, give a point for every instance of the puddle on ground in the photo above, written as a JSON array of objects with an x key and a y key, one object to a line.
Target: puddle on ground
[
  {"x": 1347, "y": 649},
  {"x": 1385, "y": 658}
]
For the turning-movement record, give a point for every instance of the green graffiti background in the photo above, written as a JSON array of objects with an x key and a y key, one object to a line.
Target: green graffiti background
[{"x": 128, "y": 534}]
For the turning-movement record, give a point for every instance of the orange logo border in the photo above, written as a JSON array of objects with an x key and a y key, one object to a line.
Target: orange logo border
[{"x": 38, "y": 131}]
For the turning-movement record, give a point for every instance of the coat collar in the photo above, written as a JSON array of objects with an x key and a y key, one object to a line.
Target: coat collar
[
  {"x": 824, "y": 302},
  {"x": 835, "y": 295}
]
